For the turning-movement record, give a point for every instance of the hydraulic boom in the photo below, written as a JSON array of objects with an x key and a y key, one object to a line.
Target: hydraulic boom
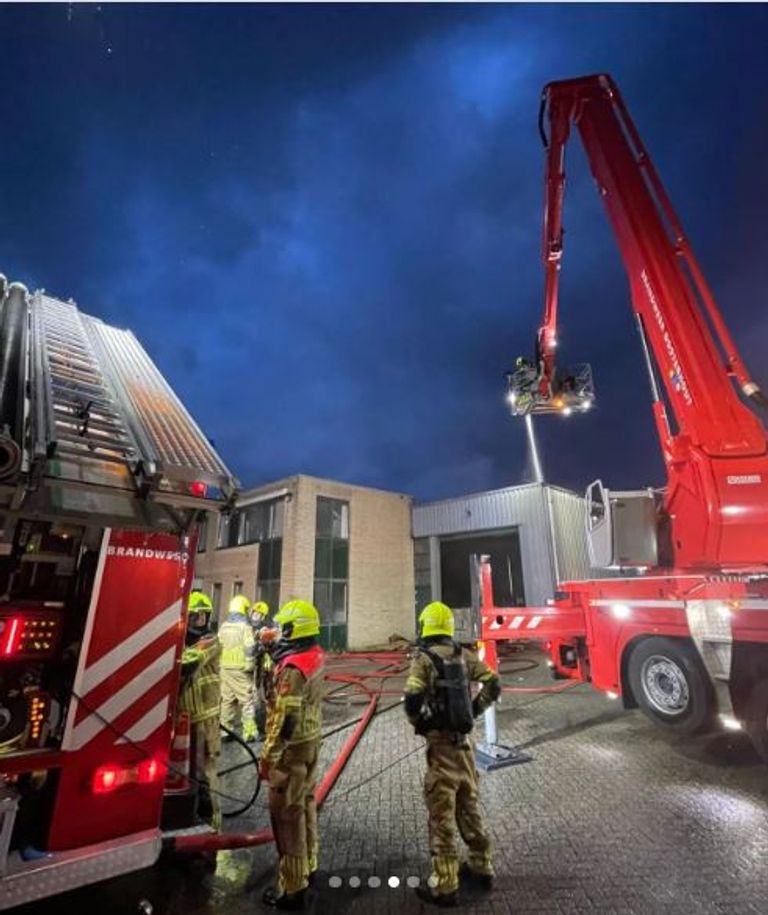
[{"x": 714, "y": 513}]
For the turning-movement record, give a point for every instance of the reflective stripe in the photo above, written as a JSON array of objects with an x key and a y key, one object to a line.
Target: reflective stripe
[
  {"x": 237, "y": 645},
  {"x": 639, "y": 603},
  {"x": 751, "y": 603},
  {"x": 416, "y": 684},
  {"x": 99, "y": 671},
  {"x": 89, "y": 727},
  {"x": 149, "y": 723},
  {"x": 288, "y": 702}
]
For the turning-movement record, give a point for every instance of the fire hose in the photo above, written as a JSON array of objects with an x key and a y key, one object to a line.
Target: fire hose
[
  {"x": 392, "y": 665},
  {"x": 212, "y": 842}
]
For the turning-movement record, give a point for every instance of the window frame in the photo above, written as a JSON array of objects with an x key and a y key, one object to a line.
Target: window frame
[{"x": 331, "y": 531}]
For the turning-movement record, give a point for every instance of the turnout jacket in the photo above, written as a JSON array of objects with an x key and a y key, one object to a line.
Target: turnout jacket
[
  {"x": 421, "y": 685},
  {"x": 294, "y": 713}
]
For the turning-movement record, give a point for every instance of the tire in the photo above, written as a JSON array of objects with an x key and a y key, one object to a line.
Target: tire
[
  {"x": 756, "y": 723},
  {"x": 670, "y": 685}
]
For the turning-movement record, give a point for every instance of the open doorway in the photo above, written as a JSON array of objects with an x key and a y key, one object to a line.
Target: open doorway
[{"x": 504, "y": 549}]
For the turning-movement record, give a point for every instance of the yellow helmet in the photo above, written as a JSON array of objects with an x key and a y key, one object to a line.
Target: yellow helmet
[
  {"x": 239, "y": 604},
  {"x": 298, "y": 619},
  {"x": 199, "y": 602},
  {"x": 436, "y": 619},
  {"x": 260, "y": 608}
]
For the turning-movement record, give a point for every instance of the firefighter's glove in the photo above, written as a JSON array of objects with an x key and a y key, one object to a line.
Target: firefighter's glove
[
  {"x": 422, "y": 725},
  {"x": 477, "y": 708},
  {"x": 189, "y": 664},
  {"x": 425, "y": 722}
]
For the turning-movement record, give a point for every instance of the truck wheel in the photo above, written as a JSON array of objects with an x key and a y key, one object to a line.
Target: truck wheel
[
  {"x": 756, "y": 723},
  {"x": 670, "y": 685}
]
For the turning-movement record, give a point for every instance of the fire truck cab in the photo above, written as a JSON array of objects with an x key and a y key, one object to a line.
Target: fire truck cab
[{"x": 104, "y": 477}]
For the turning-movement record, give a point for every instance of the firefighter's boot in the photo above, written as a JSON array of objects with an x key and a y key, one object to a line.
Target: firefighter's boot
[
  {"x": 290, "y": 902},
  {"x": 442, "y": 900},
  {"x": 249, "y": 730},
  {"x": 484, "y": 881}
]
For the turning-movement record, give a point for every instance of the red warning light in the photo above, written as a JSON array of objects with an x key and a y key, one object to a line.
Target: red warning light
[
  {"x": 12, "y": 636},
  {"x": 150, "y": 771},
  {"x": 110, "y": 777},
  {"x": 198, "y": 489},
  {"x": 106, "y": 779}
]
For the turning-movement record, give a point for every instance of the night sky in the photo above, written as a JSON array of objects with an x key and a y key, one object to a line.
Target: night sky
[{"x": 323, "y": 222}]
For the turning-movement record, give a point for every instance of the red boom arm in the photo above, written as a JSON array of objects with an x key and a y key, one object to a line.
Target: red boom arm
[{"x": 717, "y": 497}]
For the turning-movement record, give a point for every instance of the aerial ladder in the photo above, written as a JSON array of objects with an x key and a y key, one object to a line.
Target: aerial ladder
[
  {"x": 681, "y": 629},
  {"x": 104, "y": 479}
]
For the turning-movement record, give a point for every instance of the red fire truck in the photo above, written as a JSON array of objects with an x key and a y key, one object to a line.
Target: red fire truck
[
  {"x": 103, "y": 478},
  {"x": 684, "y": 633}
]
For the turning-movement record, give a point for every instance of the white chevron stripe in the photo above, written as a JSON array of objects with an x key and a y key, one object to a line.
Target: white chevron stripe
[
  {"x": 149, "y": 723},
  {"x": 535, "y": 620},
  {"x": 97, "y": 673},
  {"x": 515, "y": 624},
  {"x": 89, "y": 727}
]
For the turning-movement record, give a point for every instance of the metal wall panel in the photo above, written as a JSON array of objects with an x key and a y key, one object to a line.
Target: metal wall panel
[
  {"x": 549, "y": 521},
  {"x": 521, "y": 507},
  {"x": 568, "y": 513}
]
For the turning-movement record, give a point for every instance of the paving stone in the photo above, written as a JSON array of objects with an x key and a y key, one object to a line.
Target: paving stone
[{"x": 611, "y": 816}]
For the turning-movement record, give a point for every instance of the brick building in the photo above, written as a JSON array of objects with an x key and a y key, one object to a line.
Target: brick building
[{"x": 347, "y": 548}]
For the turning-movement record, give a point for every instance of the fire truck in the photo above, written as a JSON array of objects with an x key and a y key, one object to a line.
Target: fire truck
[
  {"x": 681, "y": 630},
  {"x": 104, "y": 477}
]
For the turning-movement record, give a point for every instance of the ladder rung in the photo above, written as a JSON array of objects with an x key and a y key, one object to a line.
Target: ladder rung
[{"x": 77, "y": 424}]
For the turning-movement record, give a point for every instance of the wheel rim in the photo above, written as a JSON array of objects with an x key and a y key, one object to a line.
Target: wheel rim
[{"x": 665, "y": 686}]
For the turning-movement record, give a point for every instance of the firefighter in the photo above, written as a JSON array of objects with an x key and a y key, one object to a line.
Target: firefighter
[
  {"x": 291, "y": 749},
  {"x": 200, "y": 698},
  {"x": 238, "y": 649},
  {"x": 439, "y": 704},
  {"x": 262, "y": 665}
]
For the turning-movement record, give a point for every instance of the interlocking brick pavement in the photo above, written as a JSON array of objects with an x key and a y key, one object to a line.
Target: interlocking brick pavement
[{"x": 611, "y": 816}]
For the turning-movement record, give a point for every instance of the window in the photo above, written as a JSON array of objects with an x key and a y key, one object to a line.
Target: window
[
  {"x": 267, "y": 523},
  {"x": 422, "y": 569},
  {"x": 216, "y": 599},
  {"x": 332, "y": 518},
  {"x": 262, "y": 521},
  {"x": 237, "y": 588},
  {"x": 269, "y": 592},
  {"x": 256, "y": 523},
  {"x": 202, "y": 534},
  {"x": 225, "y": 525},
  {"x": 331, "y": 595}
]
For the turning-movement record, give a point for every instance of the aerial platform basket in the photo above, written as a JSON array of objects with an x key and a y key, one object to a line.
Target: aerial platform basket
[{"x": 571, "y": 391}]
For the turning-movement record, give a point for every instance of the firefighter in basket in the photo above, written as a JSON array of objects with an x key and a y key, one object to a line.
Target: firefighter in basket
[
  {"x": 439, "y": 704},
  {"x": 291, "y": 749}
]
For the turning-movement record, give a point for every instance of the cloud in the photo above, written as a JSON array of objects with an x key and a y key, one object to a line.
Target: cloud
[{"x": 325, "y": 227}]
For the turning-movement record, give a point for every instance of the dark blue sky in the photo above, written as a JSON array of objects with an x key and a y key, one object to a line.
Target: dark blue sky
[{"x": 323, "y": 222}]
